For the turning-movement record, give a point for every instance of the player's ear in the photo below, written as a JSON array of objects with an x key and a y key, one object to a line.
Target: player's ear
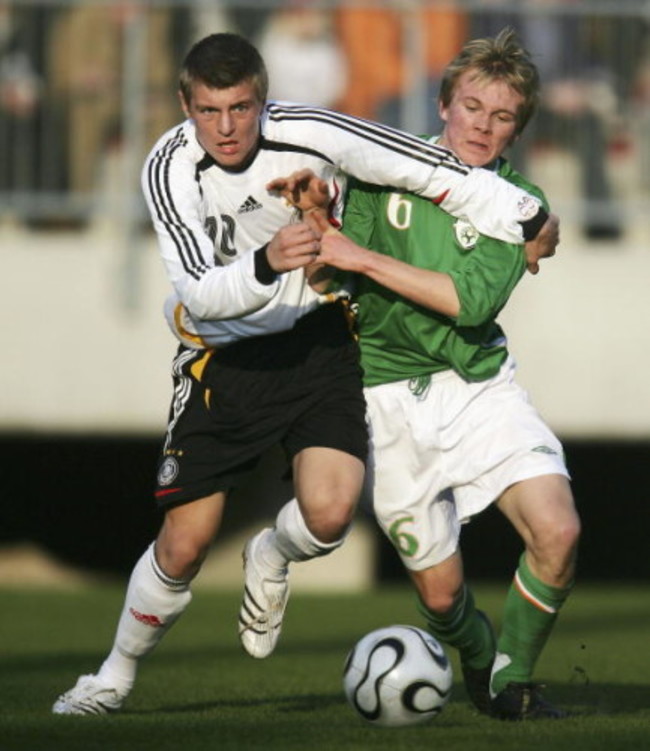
[
  {"x": 184, "y": 104},
  {"x": 442, "y": 111}
]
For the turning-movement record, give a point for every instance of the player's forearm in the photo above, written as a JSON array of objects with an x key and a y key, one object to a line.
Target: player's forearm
[
  {"x": 383, "y": 156},
  {"x": 431, "y": 289},
  {"x": 222, "y": 292}
]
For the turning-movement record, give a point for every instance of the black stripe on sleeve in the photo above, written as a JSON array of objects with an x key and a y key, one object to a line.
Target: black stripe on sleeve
[
  {"x": 395, "y": 140},
  {"x": 531, "y": 227},
  {"x": 158, "y": 180}
]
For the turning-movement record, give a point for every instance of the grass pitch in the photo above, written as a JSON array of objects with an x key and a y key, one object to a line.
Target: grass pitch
[{"x": 198, "y": 690}]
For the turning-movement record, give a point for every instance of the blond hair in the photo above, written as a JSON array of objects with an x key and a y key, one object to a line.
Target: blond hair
[{"x": 501, "y": 58}]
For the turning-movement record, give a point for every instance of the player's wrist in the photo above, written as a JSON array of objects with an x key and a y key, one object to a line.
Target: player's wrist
[
  {"x": 264, "y": 272},
  {"x": 531, "y": 227}
]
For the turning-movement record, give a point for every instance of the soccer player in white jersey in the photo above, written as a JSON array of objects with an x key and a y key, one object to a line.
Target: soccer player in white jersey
[
  {"x": 451, "y": 431},
  {"x": 282, "y": 366}
]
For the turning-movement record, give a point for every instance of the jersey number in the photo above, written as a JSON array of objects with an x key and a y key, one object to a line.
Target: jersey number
[
  {"x": 227, "y": 243},
  {"x": 399, "y": 211},
  {"x": 406, "y": 543}
]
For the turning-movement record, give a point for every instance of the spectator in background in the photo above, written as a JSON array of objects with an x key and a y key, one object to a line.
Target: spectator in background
[
  {"x": 640, "y": 116},
  {"x": 247, "y": 21},
  {"x": 19, "y": 82},
  {"x": 372, "y": 78},
  {"x": 579, "y": 100},
  {"x": 30, "y": 128},
  {"x": 303, "y": 57},
  {"x": 20, "y": 92},
  {"x": 443, "y": 31},
  {"x": 192, "y": 23},
  {"x": 379, "y": 83},
  {"x": 628, "y": 41},
  {"x": 87, "y": 59}
]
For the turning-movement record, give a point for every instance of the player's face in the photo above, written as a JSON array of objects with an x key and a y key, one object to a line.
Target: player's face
[
  {"x": 227, "y": 121},
  {"x": 481, "y": 119}
]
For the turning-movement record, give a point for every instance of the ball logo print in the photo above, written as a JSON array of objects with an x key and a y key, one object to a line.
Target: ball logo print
[{"x": 397, "y": 675}]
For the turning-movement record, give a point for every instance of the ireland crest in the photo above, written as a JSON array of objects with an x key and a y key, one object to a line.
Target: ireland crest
[{"x": 466, "y": 234}]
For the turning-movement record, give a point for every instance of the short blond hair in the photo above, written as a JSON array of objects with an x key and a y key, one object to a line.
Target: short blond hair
[{"x": 501, "y": 58}]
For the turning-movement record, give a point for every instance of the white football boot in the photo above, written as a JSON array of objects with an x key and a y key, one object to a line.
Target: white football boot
[
  {"x": 89, "y": 696},
  {"x": 266, "y": 592}
]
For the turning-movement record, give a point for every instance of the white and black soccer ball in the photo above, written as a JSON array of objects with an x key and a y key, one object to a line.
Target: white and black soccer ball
[{"x": 398, "y": 675}]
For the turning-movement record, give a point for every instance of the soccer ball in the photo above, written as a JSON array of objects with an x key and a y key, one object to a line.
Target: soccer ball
[{"x": 398, "y": 675}]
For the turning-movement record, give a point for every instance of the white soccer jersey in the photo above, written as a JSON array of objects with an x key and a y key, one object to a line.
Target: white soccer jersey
[{"x": 209, "y": 220}]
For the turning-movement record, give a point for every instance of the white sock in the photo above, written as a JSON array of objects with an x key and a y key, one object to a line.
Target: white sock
[
  {"x": 291, "y": 540},
  {"x": 154, "y": 601}
]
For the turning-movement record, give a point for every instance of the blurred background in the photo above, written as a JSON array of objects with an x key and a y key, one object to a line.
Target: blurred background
[{"x": 86, "y": 87}]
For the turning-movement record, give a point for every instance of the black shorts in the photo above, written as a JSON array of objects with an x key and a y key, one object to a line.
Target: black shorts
[{"x": 299, "y": 388}]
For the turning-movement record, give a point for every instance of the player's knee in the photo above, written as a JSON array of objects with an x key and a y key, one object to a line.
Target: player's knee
[
  {"x": 559, "y": 539},
  {"x": 181, "y": 556},
  {"x": 554, "y": 551},
  {"x": 330, "y": 520},
  {"x": 568, "y": 538},
  {"x": 439, "y": 599},
  {"x": 570, "y": 533},
  {"x": 440, "y": 603},
  {"x": 329, "y": 529}
]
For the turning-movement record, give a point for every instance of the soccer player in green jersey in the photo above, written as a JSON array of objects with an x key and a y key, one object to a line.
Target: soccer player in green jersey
[{"x": 452, "y": 432}]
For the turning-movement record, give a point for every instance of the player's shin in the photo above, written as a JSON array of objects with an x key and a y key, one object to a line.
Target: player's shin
[
  {"x": 465, "y": 628},
  {"x": 530, "y": 613},
  {"x": 153, "y": 603},
  {"x": 470, "y": 631}
]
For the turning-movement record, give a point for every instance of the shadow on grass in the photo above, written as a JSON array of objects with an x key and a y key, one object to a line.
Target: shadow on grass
[
  {"x": 20, "y": 664},
  {"x": 287, "y": 704},
  {"x": 591, "y": 700},
  {"x": 599, "y": 698},
  {"x": 337, "y": 648}
]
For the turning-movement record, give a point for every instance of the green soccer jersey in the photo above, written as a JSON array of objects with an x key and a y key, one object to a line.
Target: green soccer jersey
[{"x": 402, "y": 340}]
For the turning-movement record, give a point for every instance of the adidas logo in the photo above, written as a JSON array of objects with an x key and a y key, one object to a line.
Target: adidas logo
[
  {"x": 148, "y": 620},
  {"x": 250, "y": 204},
  {"x": 544, "y": 450}
]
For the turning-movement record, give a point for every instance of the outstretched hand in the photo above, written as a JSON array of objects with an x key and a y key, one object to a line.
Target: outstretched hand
[
  {"x": 544, "y": 245},
  {"x": 302, "y": 189}
]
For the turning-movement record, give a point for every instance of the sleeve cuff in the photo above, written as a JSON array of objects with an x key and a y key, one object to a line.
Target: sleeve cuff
[
  {"x": 263, "y": 271},
  {"x": 531, "y": 227}
]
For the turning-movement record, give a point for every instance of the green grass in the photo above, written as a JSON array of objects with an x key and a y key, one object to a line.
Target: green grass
[{"x": 200, "y": 691}]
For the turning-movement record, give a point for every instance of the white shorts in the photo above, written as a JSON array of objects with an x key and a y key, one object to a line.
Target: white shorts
[{"x": 442, "y": 457}]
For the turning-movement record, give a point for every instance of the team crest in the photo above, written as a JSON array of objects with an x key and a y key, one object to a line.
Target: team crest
[
  {"x": 466, "y": 234},
  {"x": 528, "y": 207},
  {"x": 168, "y": 471}
]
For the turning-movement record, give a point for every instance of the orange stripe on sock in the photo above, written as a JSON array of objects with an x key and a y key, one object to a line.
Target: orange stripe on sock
[{"x": 531, "y": 597}]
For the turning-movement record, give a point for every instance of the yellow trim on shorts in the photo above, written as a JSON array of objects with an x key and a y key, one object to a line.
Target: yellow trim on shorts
[
  {"x": 197, "y": 368},
  {"x": 195, "y": 338}
]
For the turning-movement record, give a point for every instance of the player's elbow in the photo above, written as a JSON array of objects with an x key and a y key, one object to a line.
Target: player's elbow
[
  {"x": 198, "y": 309},
  {"x": 201, "y": 302},
  {"x": 449, "y": 309},
  {"x": 470, "y": 318}
]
